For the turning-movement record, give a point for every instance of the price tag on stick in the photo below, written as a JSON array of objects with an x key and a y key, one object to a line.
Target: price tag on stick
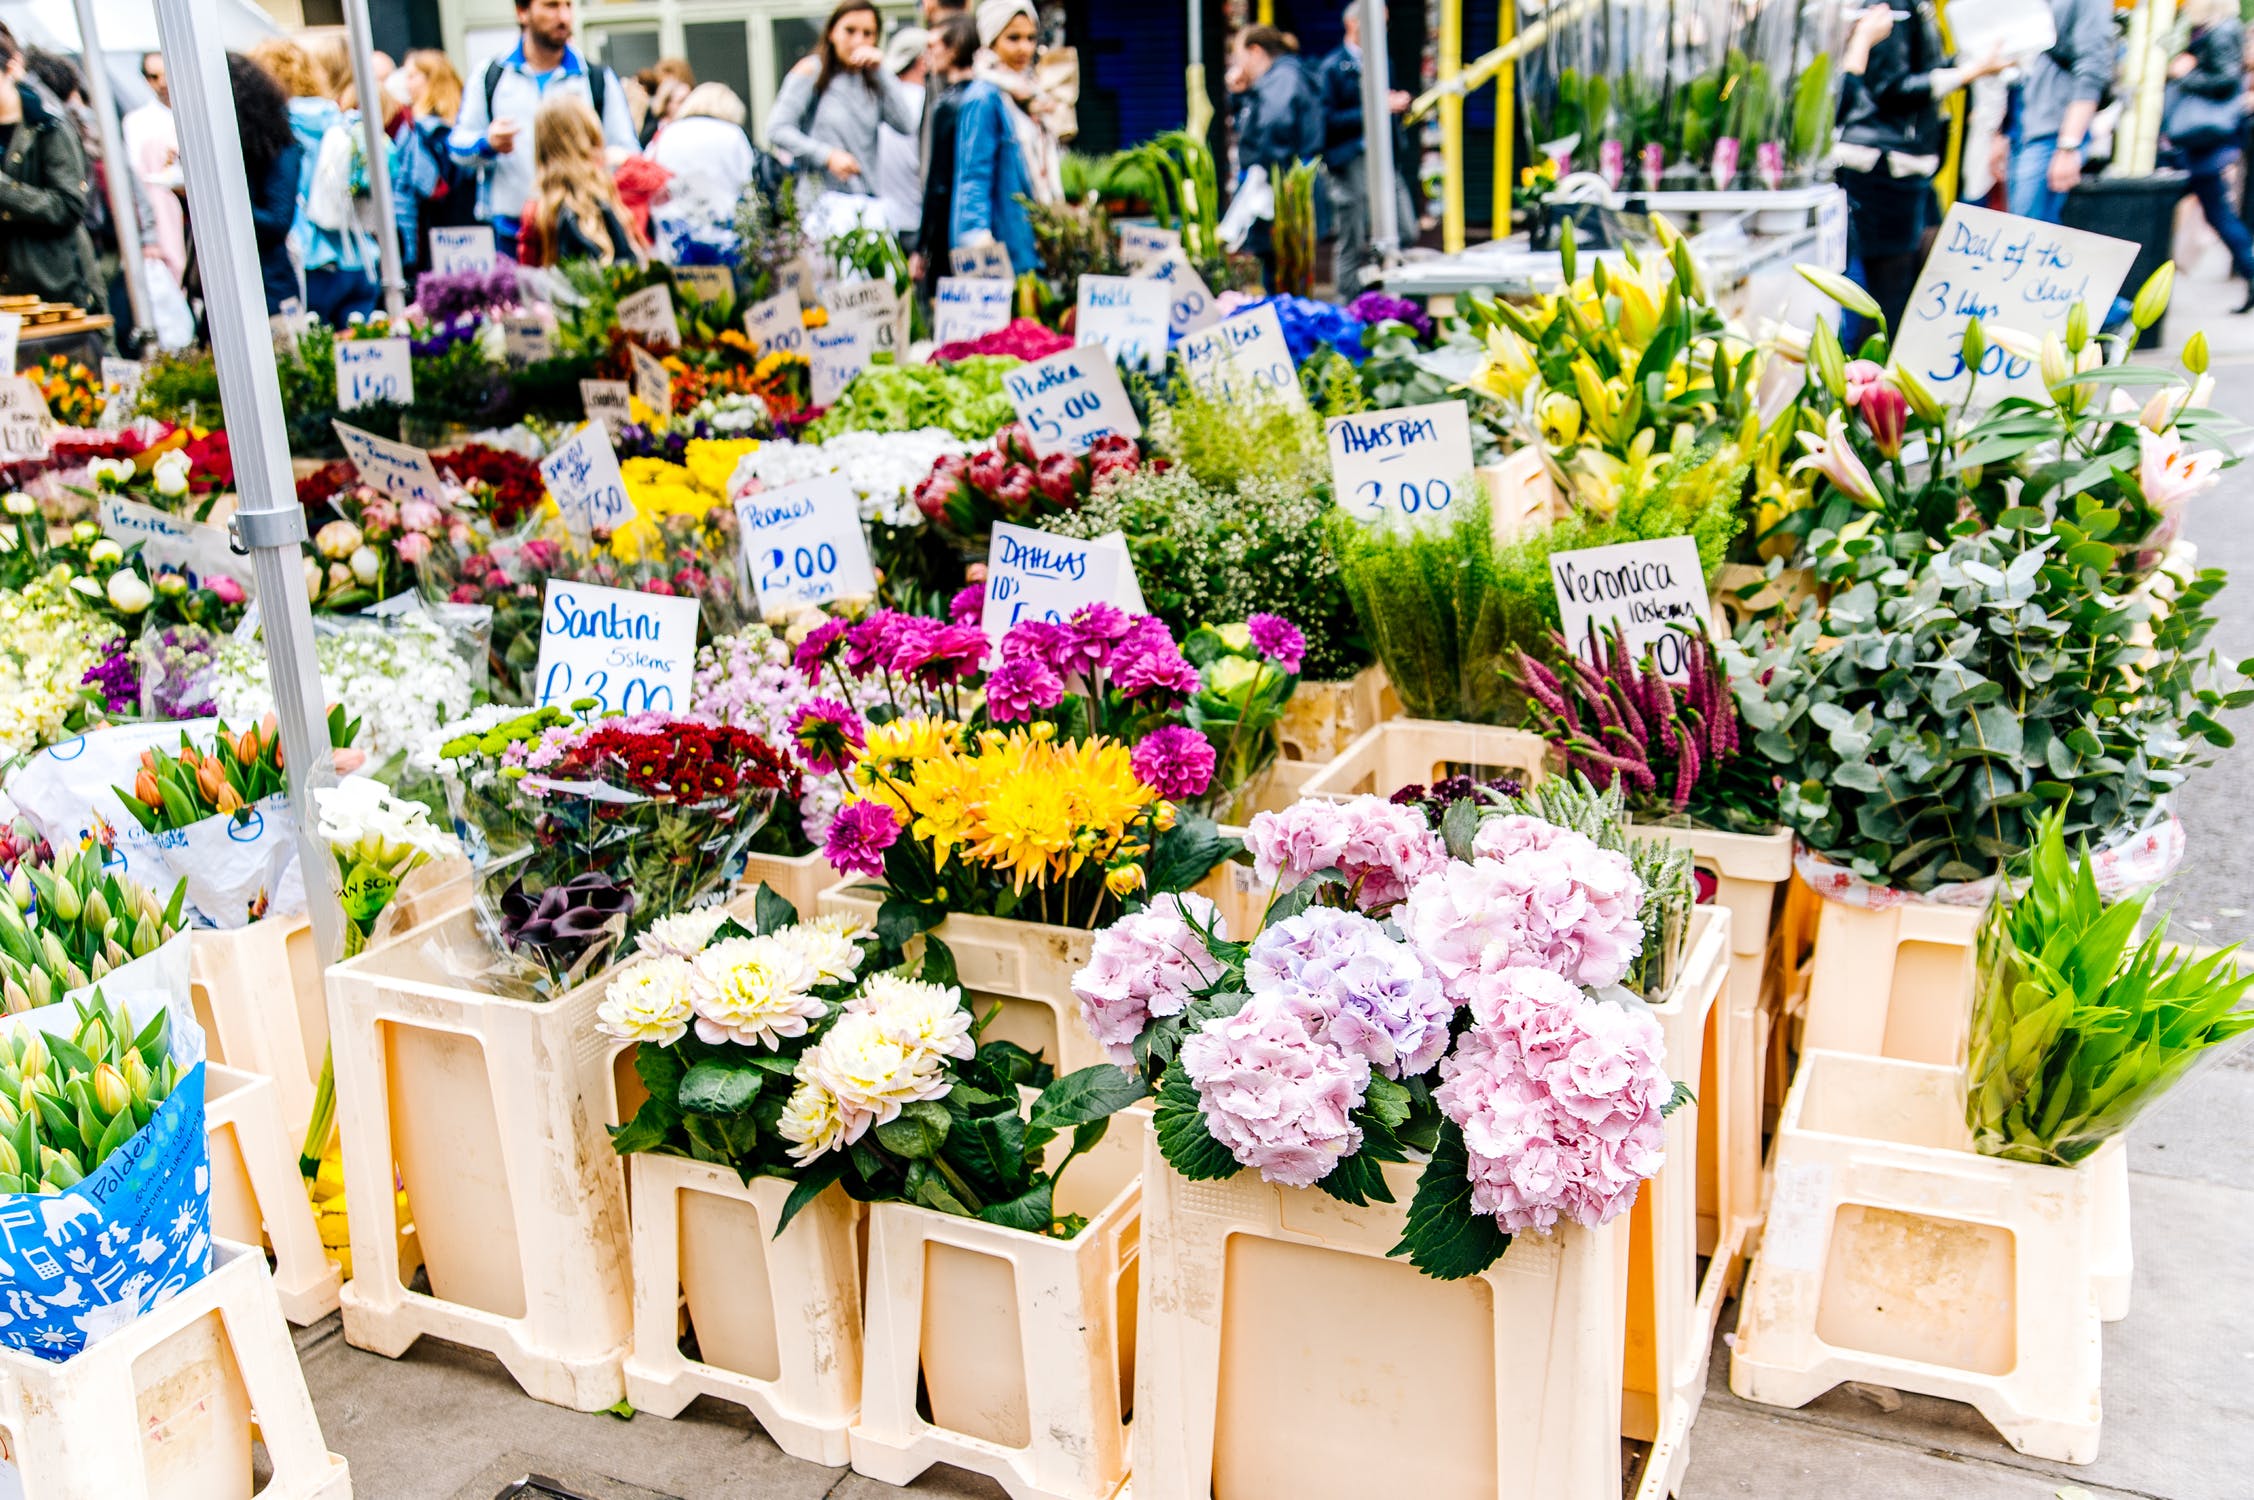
[
  {"x": 466, "y": 249},
  {"x": 1140, "y": 244},
  {"x": 1192, "y": 306},
  {"x": 605, "y": 402},
  {"x": 969, "y": 307},
  {"x": 1243, "y": 358},
  {"x": 652, "y": 381},
  {"x": 373, "y": 370},
  {"x": 528, "y": 340},
  {"x": 803, "y": 544},
  {"x": 583, "y": 476},
  {"x": 648, "y": 316},
  {"x": 990, "y": 261},
  {"x": 838, "y": 352},
  {"x": 632, "y": 652},
  {"x": 707, "y": 284},
  {"x": 399, "y": 469},
  {"x": 1070, "y": 399},
  {"x": 1128, "y": 316},
  {"x": 1652, "y": 591},
  {"x": 777, "y": 325},
  {"x": 873, "y": 307},
  {"x": 1037, "y": 575},
  {"x": 1404, "y": 465}
]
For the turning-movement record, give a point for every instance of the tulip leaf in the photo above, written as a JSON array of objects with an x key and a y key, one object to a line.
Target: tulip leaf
[{"x": 717, "y": 1088}]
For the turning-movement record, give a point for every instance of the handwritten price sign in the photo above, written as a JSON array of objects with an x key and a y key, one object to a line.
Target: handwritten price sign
[
  {"x": 1036, "y": 575},
  {"x": 652, "y": 381},
  {"x": 968, "y": 307},
  {"x": 1652, "y": 591},
  {"x": 802, "y": 544},
  {"x": 465, "y": 249},
  {"x": 648, "y": 315},
  {"x": 1244, "y": 358},
  {"x": 1191, "y": 307},
  {"x": 1401, "y": 465},
  {"x": 777, "y": 325},
  {"x": 399, "y": 469},
  {"x": 606, "y": 401},
  {"x": 583, "y": 476},
  {"x": 631, "y": 652},
  {"x": 373, "y": 370},
  {"x": 1128, "y": 316},
  {"x": 1070, "y": 399}
]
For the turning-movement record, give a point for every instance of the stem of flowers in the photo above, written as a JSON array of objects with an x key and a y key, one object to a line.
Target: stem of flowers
[{"x": 955, "y": 1183}]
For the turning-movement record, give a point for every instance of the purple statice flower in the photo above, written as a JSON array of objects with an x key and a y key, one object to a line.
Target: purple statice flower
[
  {"x": 180, "y": 656},
  {"x": 1174, "y": 761},
  {"x": 858, "y": 837},
  {"x": 818, "y": 648},
  {"x": 969, "y": 604},
  {"x": 118, "y": 676},
  {"x": 1021, "y": 687},
  {"x": 1376, "y": 307},
  {"x": 445, "y": 296},
  {"x": 1279, "y": 640},
  {"x": 827, "y": 735}
]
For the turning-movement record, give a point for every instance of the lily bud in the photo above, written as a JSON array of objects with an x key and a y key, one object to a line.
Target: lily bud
[
  {"x": 1842, "y": 291},
  {"x": 1828, "y": 360},
  {"x": 2195, "y": 352},
  {"x": 2077, "y": 326},
  {"x": 1922, "y": 401},
  {"x": 2057, "y": 366},
  {"x": 1974, "y": 347},
  {"x": 2152, "y": 297}
]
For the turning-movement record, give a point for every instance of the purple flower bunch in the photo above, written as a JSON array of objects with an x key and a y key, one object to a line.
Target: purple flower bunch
[
  {"x": 1374, "y": 996},
  {"x": 1375, "y": 307},
  {"x": 118, "y": 677},
  {"x": 1273, "y": 1092},
  {"x": 177, "y": 661},
  {"x": 1100, "y": 650},
  {"x": 896, "y": 658},
  {"x": 1174, "y": 761},
  {"x": 1146, "y": 966},
  {"x": 1381, "y": 848},
  {"x": 1277, "y": 639},
  {"x": 446, "y": 296},
  {"x": 858, "y": 837},
  {"x": 1559, "y": 1098},
  {"x": 442, "y": 334},
  {"x": 1535, "y": 895}
]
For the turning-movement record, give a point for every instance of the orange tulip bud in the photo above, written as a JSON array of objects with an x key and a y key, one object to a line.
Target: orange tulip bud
[
  {"x": 225, "y": 800},
  {"x": 149, "y": 761},
  {"x": 145, "y": 788},
  {"x": 211, "y": 781}
]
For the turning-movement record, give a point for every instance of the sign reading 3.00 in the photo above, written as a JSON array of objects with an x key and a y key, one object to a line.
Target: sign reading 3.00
[
  {"x": 1403, "y": 465},
  {"x": 802, "y": 544},
  {"x": 631, "y": 652}
]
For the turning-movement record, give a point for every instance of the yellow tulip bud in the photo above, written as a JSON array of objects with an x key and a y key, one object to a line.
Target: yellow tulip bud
[{"x": 111, "y": 1091}]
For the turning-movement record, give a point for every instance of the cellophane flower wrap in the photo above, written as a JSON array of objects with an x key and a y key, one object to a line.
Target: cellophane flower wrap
[
  {"x": 587, "y": 831},
  {"x": 803, "y": 1050},
  {"x": 1414, "y": 995}
]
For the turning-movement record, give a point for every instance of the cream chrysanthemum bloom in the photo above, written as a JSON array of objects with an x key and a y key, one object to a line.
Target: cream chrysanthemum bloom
[
  {"x": 813, "y": 1123},
  {"x": 931, "y": 1016},
  {"x": 754, "y": 992},
  {"x": 830, "y": 953},
  {"x": 684, "y": 932},
  {"x": 871, "y": 1071},
  {"x": 650, "y": 1000}
]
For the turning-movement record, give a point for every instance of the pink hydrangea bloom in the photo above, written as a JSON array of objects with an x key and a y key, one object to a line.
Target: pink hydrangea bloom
[
  {"x": 1537, "y": 895},
  {"x": 1377, "y": 998},
  {"x": 1382, "y": 849},
  {"x": 1559, "y": 1100},
  {"x": 1146, "y": 966},
  {"x": 1276, "y": 1095}
]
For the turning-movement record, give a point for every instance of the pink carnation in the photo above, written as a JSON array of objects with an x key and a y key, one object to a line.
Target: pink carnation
[
  {"x": 1146, "y": 966},
  {"x": 1382, "y": 849},
  {"x": 1273, "y": 1092},
  {"x": 1537, "y": 895},
  {"x": 1559, "y": 1100}
]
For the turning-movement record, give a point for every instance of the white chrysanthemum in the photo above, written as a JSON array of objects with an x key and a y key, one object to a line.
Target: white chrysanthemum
[
  {"x": 650, "y": 1000},
  {"x": 754, "y": 993},
  {"x": 830, "y": 953},
  {"x": 871, "y": 1071},
  {"x": 813, "y": 1123},
  {"x": 685, "y": 932},
  {"x": 931, "y": 1016}
]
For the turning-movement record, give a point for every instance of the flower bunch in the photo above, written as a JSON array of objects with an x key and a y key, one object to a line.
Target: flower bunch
[
  {"x": 1375, "y": 307},
  {"x": 1008, "y": 481},
  {"x": 73, "y": 392},
  {"x": 68, "y": 1103},
  {"x": 768, "y": 1044},
  {"x": 399, "y": 678},
  {"x": 377, "y": 546},
  {"x": 443, "y": 297},
  {"x": 751, "y": 679},
  {"x": 1434, "y": 801},
  {"x": 1308, "y": 325},
  {"x": 892, "y": 663},
  {"x": 378, "y": 840},
  {"x": 51, "y": 638},
  {"x": 882, "y": 468},
  {"x": 1247, "y": 673},
  {"x": 240, "y": 770},
  {"x": 964, "y": 397},
  {"x": 1379, "y": 848},
  {"x": 66, "y": 925},
  {"x": 498, "y": 483},
  {"x": 161, "y": 476},
  {"x": 1020, "y": 338}
]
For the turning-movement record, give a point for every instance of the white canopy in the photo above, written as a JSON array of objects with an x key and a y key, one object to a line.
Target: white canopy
[{"x": 127, "y": 25}]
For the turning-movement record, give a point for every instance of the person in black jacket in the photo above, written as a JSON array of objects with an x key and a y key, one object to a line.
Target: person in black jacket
[
  {"x": 947, "y": 69},
  {"x": 1892, "y": 136},
  {"x": 1279, "y": 120},
  {"x": 1346, "y": 155},
  {"x": 271, "y": 162},
  {"x": 2204, "y": 119},
  {"x": 45, "y": 250}
]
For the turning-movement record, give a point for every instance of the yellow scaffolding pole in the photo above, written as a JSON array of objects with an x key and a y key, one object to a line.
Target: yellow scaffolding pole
[
  {"x": 1506, "y": 123},
  {"x": 1452, "y": 126}
]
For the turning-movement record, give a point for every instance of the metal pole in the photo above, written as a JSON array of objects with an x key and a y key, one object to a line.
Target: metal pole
[
  {"x": 1197, "y": 111},
  {"x": 268, "y": 522},
  {"x": 118, "y": 171},
  {"x": 379, "y": 153},
  {"x": 1377, "y": 138}
]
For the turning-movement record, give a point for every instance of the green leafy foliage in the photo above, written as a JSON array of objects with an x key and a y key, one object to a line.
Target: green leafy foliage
[
  {"x": 965, "y": 397},
  {"x": 1446, "y": 1237}
]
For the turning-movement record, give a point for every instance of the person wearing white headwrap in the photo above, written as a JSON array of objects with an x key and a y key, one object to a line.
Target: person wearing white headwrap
[
  {"x": 1044, "y": 113},
  {"x": 993, "y": 170}
]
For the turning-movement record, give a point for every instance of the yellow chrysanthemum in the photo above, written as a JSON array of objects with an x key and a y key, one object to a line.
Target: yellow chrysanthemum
[
  {"x": 911, "y": 740},
  {"x": 711, "y": 461}
]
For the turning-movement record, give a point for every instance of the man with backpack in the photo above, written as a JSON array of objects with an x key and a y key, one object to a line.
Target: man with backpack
[{"x": 494, "y": 132}]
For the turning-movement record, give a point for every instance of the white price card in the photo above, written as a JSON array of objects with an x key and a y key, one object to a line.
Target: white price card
[
  {"x": 1831, "y": 232},
  {"x": 196, "y": 547},
  {"x": 873, "y": 307},
  {"x": 706, "y": 283},
  {"x": 373, "y": 370},
  {"x": 469, "y": 248},
  {"x": 1403, "y": 466},
  {"x": 1651, "y": 591},
  {"x": 398, "y": 469},
  {"x": 648, "y": 316},
  {"x": 529, "y": 340},
  {"x": 1140, "y": 244},
  {"x": 990, "y": 261},
  {"x": 2008, "y": 272},
  {"x": 803, "y": 545},
  {"x": 1191, "y": 306},
  {"x": 1244, "y": 357},
  {"x": 24, "y": 420},
  {"x": 11, "y": 331},
  {"x": 631, "y": 652},
  {"x": 838, "y": 352},
  {"x": 969, "y": 307},
  {"x": 1127, "y": 315},
  {"x": 605, "y": 401},
  {"x": 1070, "y": 399},
  {"x": 123, "y": 378},
  {"x": 777, "y": 325},
  {"x": 583, "y": 476},
  {"x": 1037, "y": 575},
  {"x": 652, "y": 381}
]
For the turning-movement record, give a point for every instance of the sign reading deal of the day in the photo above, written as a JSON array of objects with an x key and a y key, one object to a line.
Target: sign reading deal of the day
[
  {"x": 469, "y": 248},
  {"x": 969, "y": 307},
  {"x": 1404, "y": 465},
  {"x": 803, "y": 545},
  {"x": 706, "y": 283},
  {"x": 873, "y": 307},
  {"x": 652, "y": 381},
  {"x": 197, "y": 547},
  {"x": 372, "y": 370},
  {"x": 1140, "y": 244},
  {"x": 24, "y": 420},
  {"x": 990, "y": 261},
  {"x": 2008, "y": 272},
  {"x": 648, "y": 316},
  {"x": 1191, "y": 306},
  {"x": 630, "y": 651},
  {"x": 1127, "y": 315},
  {"x": 1652, "y": 591},
  {"x": 606, "y": 401},
  {"x": 1070, "y": 399},
  {"x": 583, "y": 476},
  {"x": 1243, "y": 358},
  {"x": 396, "y": 468},
  {"x": 837, "y": 352},
  {"x": 777, "y": 325},
  {"x": 1037, "y": 575}
]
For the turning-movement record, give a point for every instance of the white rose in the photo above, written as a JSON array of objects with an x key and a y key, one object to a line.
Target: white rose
[
  {"x": 129, "y": 592},
  {"x": 313, "y": 577},
  {"x": 104, "y": 552},
  {"x": 365, "y": 564},
  {"x": 20, "y": 504},
  {"x": 171, "y": 473}
]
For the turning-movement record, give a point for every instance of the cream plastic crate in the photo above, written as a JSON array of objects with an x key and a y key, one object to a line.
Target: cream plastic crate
[
  {"x": 259, "y": 998},
  {"x": 1521, "y": 496},
  {"x": 1895, "y": 1254},
  {"x": 256, "y": 1192},
  {"x": 1666, "y": 1346},
  {"x": 1751, "y": 872},
  {"x": 1405, "y": 752},
  {"x": 777, "y": 1321},
  {"x": 489, "y": 1109},
  {"x": 1282, "y": 1353},
  {"x": 1895, "y": 982},
  {"x": 194, "y": 1376},
  {"x": 1322, "y": 718},
  {"x": 1025, "y": 1345},
  {"x": 798, "y": 879}
]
